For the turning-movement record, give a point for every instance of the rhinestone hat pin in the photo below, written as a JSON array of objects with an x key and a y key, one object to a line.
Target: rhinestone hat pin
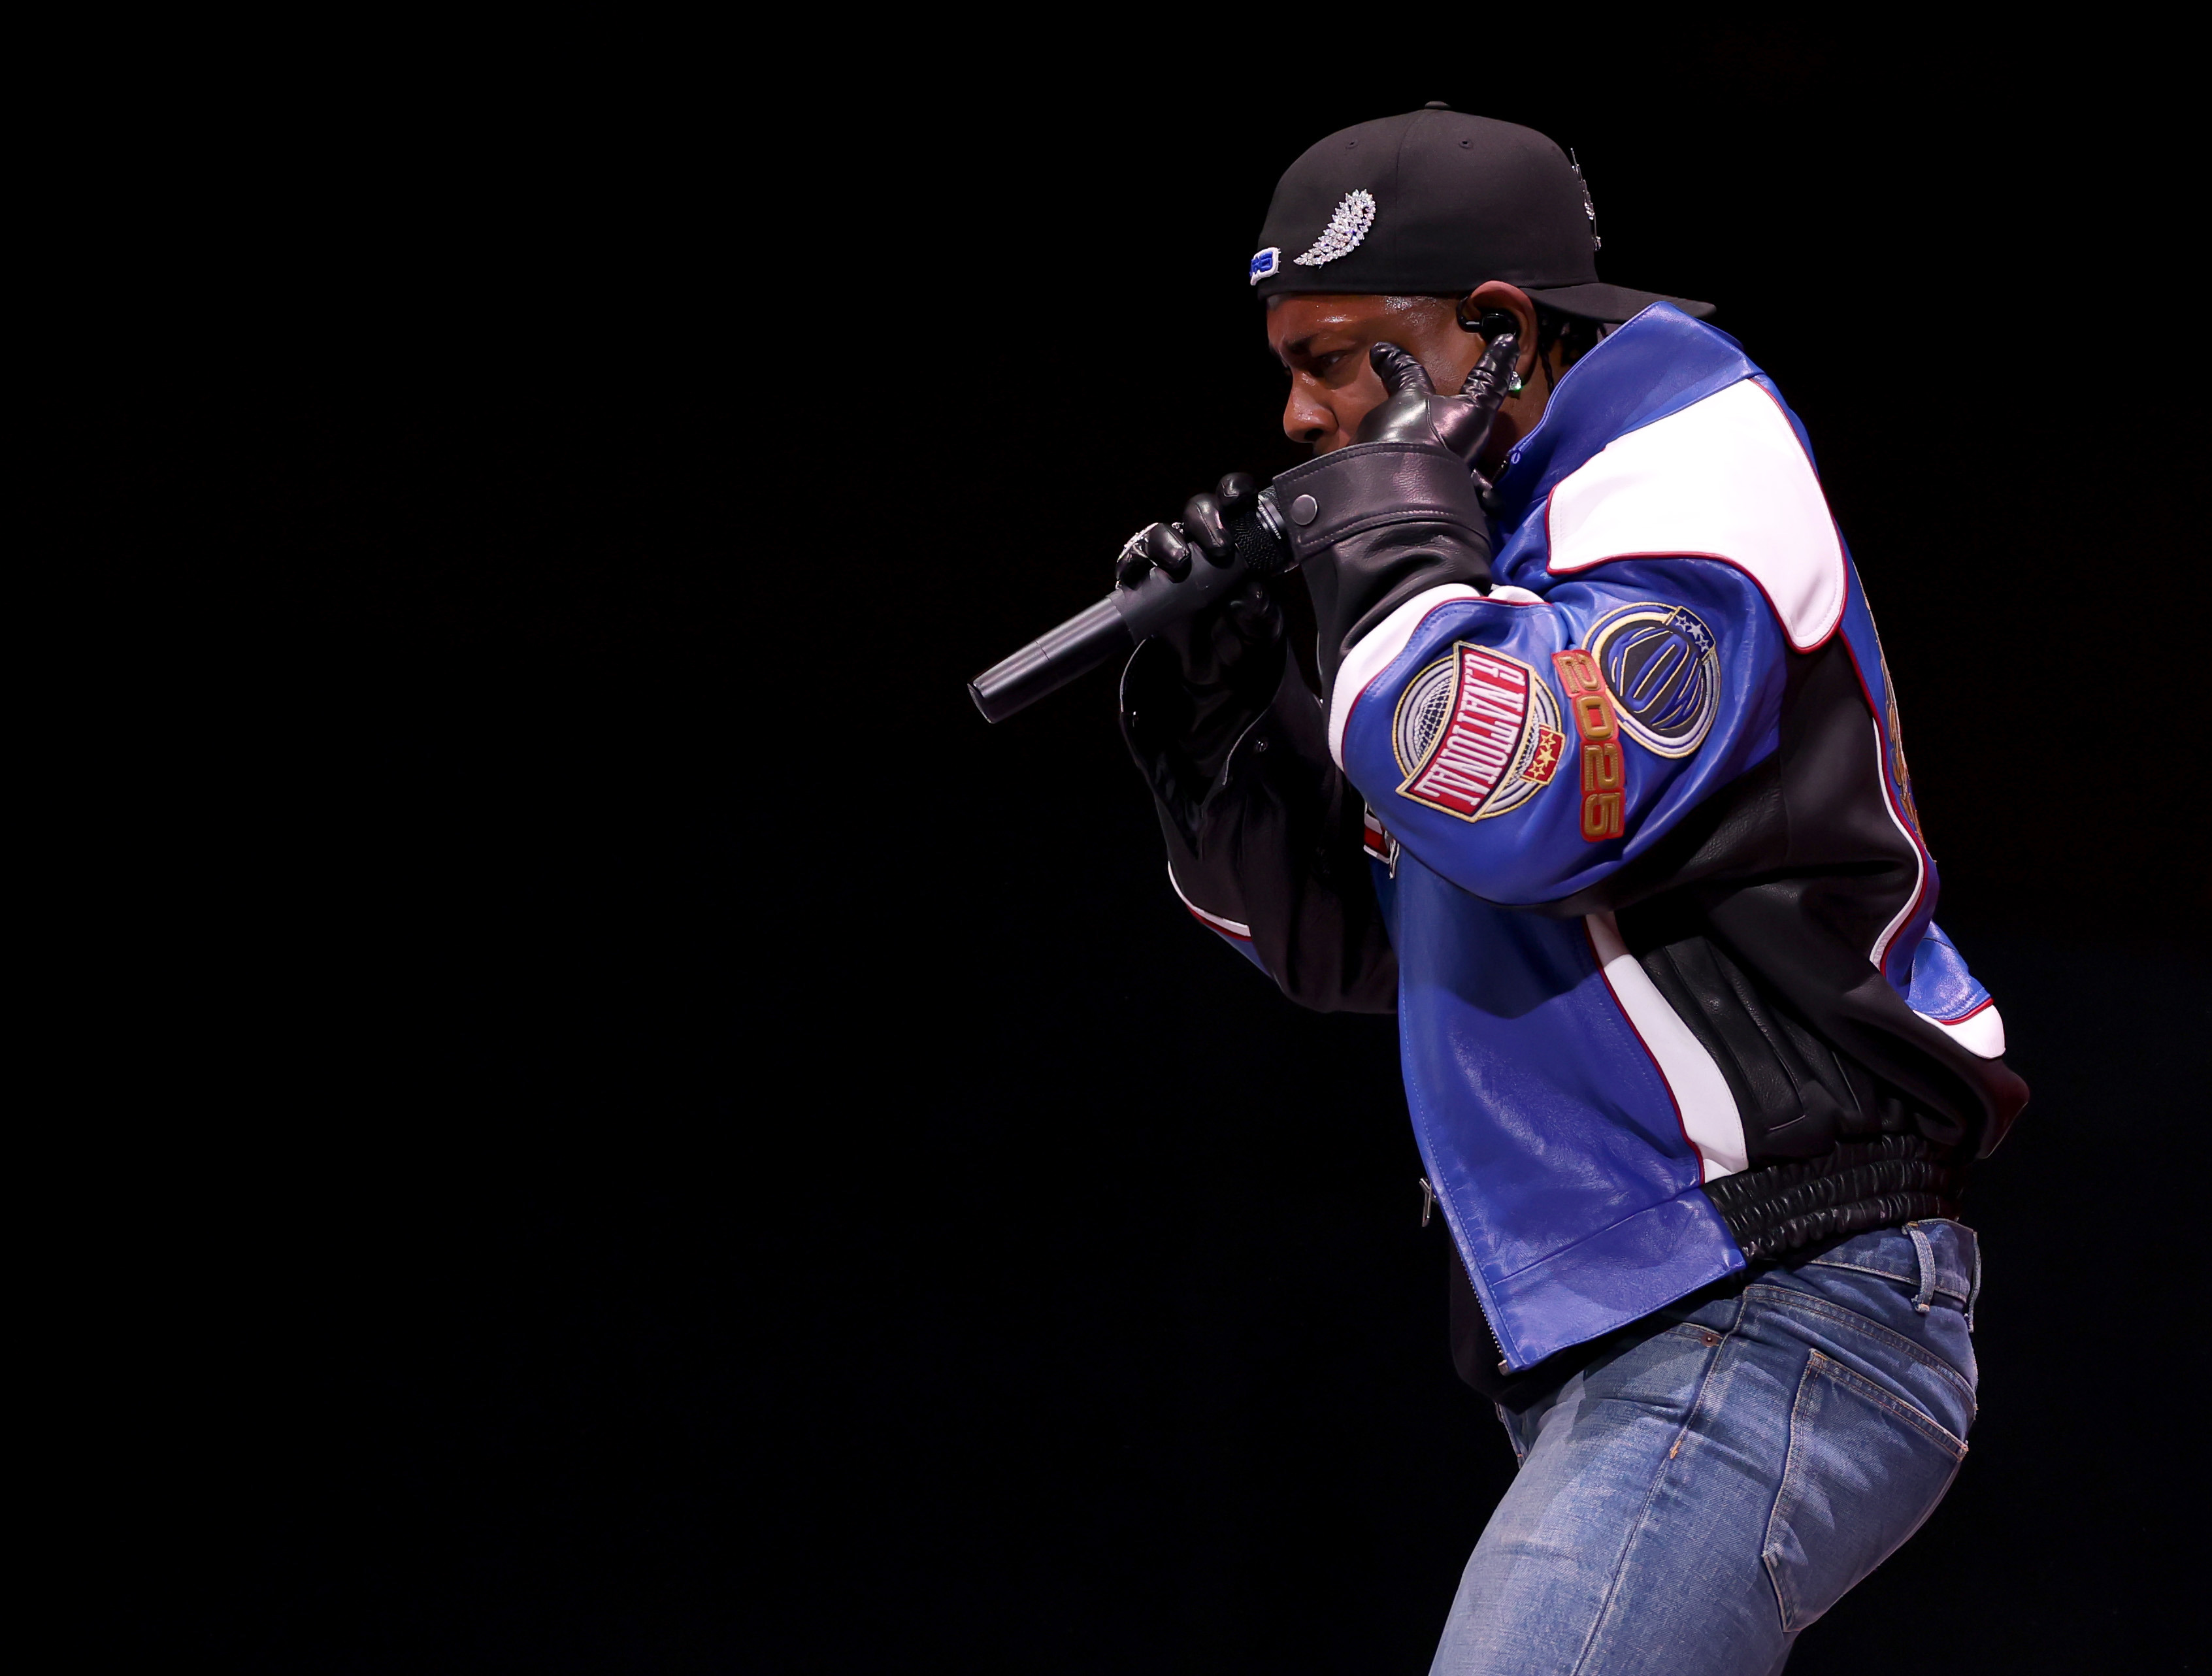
[
  {"x": 1589, "y": 208},
  {"x": 1345, "y": 228}
]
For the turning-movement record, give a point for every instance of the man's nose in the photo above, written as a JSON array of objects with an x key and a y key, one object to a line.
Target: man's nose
[{"x": 1305, "y": 420}]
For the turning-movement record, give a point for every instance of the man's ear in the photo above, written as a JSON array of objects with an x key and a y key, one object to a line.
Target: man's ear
[{"x": 1496, "y": 296}]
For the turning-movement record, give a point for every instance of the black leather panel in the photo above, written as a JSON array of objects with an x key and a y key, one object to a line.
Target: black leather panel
[
  {"x": 1796, "y": 1094},
  {"x": 1263, "y": 829},
  {"x": 1756, "y": 922},
  {"x": 1858, "y": 1184}
]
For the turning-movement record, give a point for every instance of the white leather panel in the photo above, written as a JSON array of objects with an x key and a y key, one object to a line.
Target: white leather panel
[
  {"x": 1724, "y": 479},
  {"x": 1980, "y": 1032}
]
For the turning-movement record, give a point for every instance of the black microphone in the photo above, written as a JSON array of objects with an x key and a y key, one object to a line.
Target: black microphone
[{"x": 1258, "y": 546}]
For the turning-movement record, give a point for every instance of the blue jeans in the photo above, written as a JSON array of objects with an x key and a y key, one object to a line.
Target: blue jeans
[{"x": 1685, "y": 1505}]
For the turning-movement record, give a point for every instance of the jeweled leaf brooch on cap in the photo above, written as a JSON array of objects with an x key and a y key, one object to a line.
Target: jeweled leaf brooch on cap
[{"x": 1345, "y": 228}]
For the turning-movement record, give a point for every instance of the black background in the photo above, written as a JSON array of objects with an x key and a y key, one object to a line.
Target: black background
[{"x": 619, "y": 1128}]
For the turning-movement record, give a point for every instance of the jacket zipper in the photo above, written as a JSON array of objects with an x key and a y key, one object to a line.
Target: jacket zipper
[{"x": 1429, "y": 1204}]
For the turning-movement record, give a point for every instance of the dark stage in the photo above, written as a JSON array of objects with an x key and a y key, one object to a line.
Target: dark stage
[{"x": 628, "y": 1130}]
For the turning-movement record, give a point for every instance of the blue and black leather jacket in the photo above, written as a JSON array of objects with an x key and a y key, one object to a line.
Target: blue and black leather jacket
[{"x": 1620, "y": 826}]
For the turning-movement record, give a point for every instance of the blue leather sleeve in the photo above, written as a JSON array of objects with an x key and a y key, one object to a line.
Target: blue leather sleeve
[{"x": 1524, "y": 749}]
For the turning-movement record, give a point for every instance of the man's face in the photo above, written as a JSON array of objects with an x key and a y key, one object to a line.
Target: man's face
[{"x": 1323, "y": 342}]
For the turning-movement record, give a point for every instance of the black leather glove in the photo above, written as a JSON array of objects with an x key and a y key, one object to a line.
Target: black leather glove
[
  {"x": 1397, "y": 512},
  {"x": 1196, "y": 686},
  {"x": 1413, "y": 412},
  {"x": 1237, "y": 644}
]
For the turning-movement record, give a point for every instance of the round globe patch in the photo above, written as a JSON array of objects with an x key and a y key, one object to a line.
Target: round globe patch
[{"x": 1663, "y": 666}]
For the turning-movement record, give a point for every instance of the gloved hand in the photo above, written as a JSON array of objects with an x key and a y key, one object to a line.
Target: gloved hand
[
  {"x": 1396, "y": 514},
  {"x": 1237, "y": 643},
  {"x": 1413, "y": 412}
]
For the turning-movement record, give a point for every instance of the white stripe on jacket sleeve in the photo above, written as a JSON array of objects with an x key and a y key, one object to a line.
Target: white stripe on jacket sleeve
[
  {"x": 1377, "y": 651},
  {"x": 1229, "y": 927}
]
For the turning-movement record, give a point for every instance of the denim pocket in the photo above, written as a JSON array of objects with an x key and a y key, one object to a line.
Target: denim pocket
[{"x": 1865, "y": 1470}]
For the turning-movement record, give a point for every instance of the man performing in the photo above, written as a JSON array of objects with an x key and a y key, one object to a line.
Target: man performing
[{"x": 1604, "y": 793}]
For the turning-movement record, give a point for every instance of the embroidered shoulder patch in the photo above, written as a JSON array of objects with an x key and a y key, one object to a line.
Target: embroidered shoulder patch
[
  {"x": 1477, "y": 733},
  {"x": 1662, "y": 666}
]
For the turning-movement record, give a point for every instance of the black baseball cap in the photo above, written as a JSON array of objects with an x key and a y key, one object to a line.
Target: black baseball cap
[{"x": 1434, "y": 202}]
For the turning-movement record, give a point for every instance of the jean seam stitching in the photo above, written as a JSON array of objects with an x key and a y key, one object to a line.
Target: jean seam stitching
[
  {"x": 1781, "y": 1492},
  {"x": 1870, "y": 1327},
  {"x": 1644, "y": 1514},
  {"x": 1851, "y": 1379}
]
